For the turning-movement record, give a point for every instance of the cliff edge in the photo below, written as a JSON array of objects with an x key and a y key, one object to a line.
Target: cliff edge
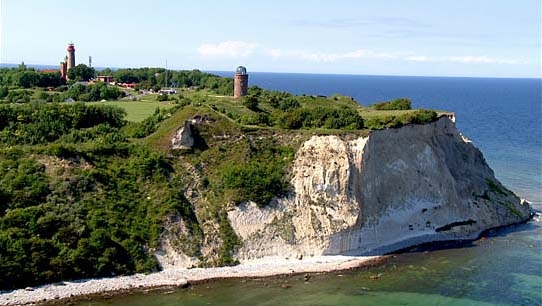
[{"x": 372, "y": 195}]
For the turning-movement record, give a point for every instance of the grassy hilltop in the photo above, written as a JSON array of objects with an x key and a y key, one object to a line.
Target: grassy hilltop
[{"x": 88, "y": 189}]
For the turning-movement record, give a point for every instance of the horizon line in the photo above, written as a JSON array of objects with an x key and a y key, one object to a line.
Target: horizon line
[{"x": 13, "y": 65}]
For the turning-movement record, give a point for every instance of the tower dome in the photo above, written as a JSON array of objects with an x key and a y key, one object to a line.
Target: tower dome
[{"x": 241, "y": 70}]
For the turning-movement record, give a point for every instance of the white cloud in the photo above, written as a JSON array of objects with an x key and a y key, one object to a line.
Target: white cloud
[
  {"x": 328, "y": 57},
  {"x": 243, "y": 49},
  {"x": 317, "y": 57},
  {"x": 419, "y": 58},
  {"x": 364, "y": 53},
  {"x": 467, "y": 59},
  {"x": 274, "y": 53},
  {"x": 231, "y": 48},
  {"x": 480, "y": 60}
]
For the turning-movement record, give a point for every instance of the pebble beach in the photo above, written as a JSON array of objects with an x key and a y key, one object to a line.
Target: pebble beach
[{"x": 181, "y": 278}]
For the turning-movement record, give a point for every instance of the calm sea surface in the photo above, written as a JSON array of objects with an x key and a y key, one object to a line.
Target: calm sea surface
[{"x": 503, "y": 119}]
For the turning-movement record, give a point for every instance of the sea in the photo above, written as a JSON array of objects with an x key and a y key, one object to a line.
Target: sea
[{"x": 503, "y": 118}]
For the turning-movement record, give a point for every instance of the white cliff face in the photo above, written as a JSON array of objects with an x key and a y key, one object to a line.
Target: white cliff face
[
  {"x": 183, "y": 138},
  {"x": 393, "y": 189},
  {"x": 322, "y": 204}
]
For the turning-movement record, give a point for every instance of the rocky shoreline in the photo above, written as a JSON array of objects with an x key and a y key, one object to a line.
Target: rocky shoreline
[{"x": 269, "y": 266}]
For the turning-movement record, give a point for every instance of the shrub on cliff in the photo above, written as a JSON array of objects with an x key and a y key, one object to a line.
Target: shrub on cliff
[
  {"x": 415, "y": 117},
  {"x": 419, "y": 117},
  {"x": 321, "y": 117},
  {"x": 397, "y": 104},
  {"x": 260, "y": 177},
  {"x": 256, "y": 181}
]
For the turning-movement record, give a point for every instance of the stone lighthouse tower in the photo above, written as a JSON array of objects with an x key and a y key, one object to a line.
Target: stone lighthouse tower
[
  {"x": 240, "y": 82},
  {"x": 71, "y": 56}
]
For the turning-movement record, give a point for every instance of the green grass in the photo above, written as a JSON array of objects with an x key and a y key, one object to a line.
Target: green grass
[
  {"x": 137, "y": 110},
  {"x": 371, "y": 113}
]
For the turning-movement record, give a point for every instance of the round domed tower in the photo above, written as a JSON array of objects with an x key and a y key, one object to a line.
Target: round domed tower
[{"x": 240, "y": 82}]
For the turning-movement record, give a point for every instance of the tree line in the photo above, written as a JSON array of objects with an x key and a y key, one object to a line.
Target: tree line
[
  {"x": 155, "y": 78},
  {"x": 13, "y": 82}
]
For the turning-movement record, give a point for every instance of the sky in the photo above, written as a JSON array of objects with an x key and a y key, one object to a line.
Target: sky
[{"x": 472, "y": 38}]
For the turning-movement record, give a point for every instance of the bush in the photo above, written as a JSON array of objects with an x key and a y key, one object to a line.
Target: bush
[
  {"x": 258, "y": 119},
  {"x": 162, "y": 97},
  {"x": 3, "y": 91},
  {"x": 258, "y": 182},
  {"x": 416, "y": 117},
  {"x": 19, "y": 96},
  {"x": 397, "y": 104},
  {"x": 321, "y": 117},
  {"x": 259, "y": 179},
  {"x": 288, "y": 104},
  {"x": 39, "y": 123},
  {"x": 251, "y": 102},
  {"x": 420, "y": 116}
]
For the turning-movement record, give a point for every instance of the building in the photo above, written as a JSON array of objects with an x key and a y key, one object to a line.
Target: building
[
  {"x": 71, "y": 56},
  {"x": 48, "y": 70},
  {"x": 64, "y": 70},
  {"x": 170, "y": 91},
  {"x": 240, "y": 82},
  {"x": 68, "y": 63},
  {"x": 104, "y": 78}
]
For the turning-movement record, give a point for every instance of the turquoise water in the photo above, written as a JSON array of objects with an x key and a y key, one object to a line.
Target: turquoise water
[
  {"x": 502, "y": 269},
  {"x": 503, "y": 118}
]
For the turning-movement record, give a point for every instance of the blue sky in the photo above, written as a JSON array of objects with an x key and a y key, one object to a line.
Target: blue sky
[{"x": 497, "y": 38}]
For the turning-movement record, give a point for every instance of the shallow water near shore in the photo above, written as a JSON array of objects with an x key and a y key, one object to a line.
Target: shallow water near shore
[{"x": 504, "y": 268}]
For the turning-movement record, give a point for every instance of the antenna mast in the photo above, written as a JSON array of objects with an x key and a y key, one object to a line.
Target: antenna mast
[{"x": 165, "y": 81}]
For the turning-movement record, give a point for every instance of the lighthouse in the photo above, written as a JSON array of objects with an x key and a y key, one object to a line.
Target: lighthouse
[
  {"x": 71, "y": 56},
  {"x": 240, "y": 82}
]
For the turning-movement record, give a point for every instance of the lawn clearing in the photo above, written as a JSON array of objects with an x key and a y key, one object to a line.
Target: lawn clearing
[{"x": 137, "y": 110}]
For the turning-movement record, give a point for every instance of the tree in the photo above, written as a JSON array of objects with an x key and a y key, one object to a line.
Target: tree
[
  {"x": 106, "y": 71},
  {"x": 81, "y": 72},
  {"x": 397, "y": 104},
  {"x": 75, "y": 91},
  {"x": 162, "y": 97},
  {"x": 28, "y": 78},
  {"x": 251, "y": 102},
  {"x": 50, "y": 79},
  {"x": 156, "y": 88},
  {"x": 3, "y": 91}
]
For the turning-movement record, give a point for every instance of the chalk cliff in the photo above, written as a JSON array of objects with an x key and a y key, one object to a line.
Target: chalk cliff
[{"x": 371, "y": 195}]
